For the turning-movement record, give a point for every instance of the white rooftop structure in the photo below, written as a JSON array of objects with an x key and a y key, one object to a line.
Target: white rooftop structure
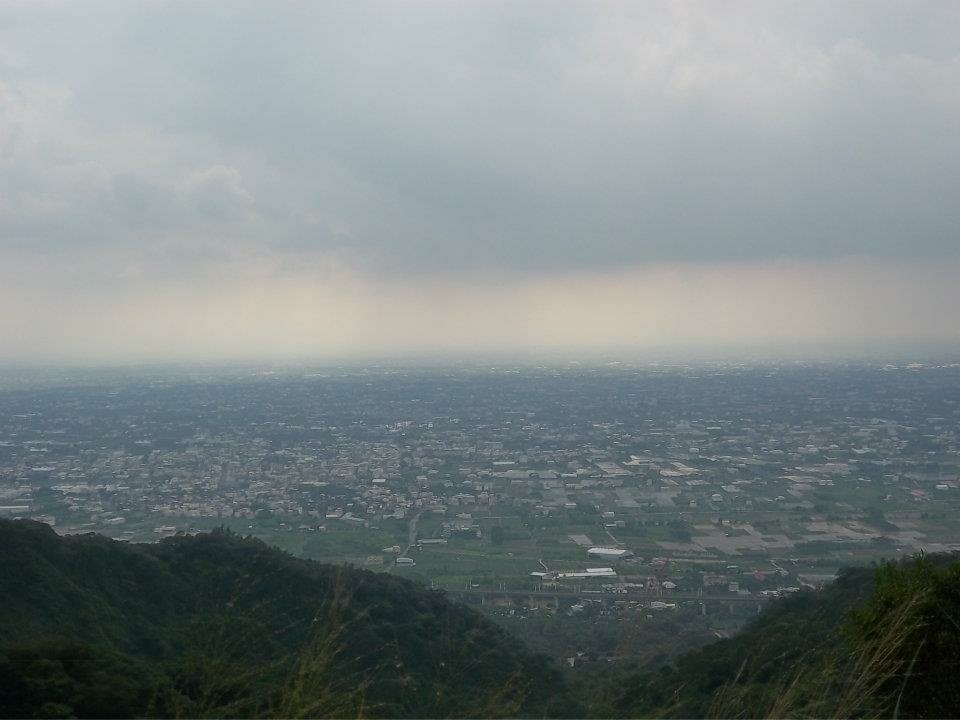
[
  {"x": 590, "y": 573},
  {"x": 609, "y": 552}
]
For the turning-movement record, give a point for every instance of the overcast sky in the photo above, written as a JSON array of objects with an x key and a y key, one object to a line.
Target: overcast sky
[{"x": 214, "y": 180}]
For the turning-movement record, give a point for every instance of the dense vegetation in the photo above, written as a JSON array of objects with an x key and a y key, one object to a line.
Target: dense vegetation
[
  {"x": 218, "y": 625},
  {"x": 878, "y": 642}
]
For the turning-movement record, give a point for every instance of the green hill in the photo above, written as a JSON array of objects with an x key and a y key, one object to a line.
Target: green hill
[
  {"x": 878, "y": 642},
  {"x": 218, "y": 625}
]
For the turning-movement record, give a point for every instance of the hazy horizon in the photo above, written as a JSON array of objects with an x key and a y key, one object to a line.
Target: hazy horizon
[{"x": 219, "y": 182}]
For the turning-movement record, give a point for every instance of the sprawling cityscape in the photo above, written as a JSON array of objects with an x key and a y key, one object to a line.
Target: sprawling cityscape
[
  {"x": 528, "y": 490},
  {"x": 479, "y": 359}
]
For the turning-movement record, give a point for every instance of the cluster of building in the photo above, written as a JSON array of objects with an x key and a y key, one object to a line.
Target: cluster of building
[{"x": 710, "y": 460}]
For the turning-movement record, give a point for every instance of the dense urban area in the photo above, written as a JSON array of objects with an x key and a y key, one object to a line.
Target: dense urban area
[{"x": 559, "y": 499}]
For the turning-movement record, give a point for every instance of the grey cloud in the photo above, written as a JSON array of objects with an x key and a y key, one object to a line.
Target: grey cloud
[{"x": 506, "y": 137}]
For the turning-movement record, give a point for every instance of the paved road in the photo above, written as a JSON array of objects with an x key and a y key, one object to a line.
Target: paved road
[{"x": 412, "y": 533}]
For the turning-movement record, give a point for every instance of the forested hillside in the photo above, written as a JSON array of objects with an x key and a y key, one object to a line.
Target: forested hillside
[
  {"x": 218, "y": 625},
  {"x": 878, "y": 642}
]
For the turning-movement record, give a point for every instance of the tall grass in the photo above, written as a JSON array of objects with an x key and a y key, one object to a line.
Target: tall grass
[
  {"x": 220, "y": 677},
  {"x": 321, "y": 683},
  {"x": 898, "y": 658},
  {"x": 325, "y": 676}
]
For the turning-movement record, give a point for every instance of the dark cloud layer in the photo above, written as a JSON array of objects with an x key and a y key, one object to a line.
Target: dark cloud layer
[
  {"x": 440, "y": 137},
  {"x": 424, "y": 145}
]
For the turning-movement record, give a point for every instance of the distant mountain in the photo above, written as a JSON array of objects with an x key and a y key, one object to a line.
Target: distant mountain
[{"x": 219, "y": 625}]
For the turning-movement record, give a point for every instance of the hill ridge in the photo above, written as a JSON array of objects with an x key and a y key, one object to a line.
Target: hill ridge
[{"x": 218, "y": 600}]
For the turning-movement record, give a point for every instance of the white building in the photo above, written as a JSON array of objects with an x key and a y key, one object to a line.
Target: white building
[{"x": 609, "y": 553}]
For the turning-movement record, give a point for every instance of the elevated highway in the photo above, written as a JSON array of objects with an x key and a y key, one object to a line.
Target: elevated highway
[{"x": 570, "y": 594}]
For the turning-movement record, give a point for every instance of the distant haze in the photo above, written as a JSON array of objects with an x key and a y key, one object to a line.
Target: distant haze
[{"x": 229, "y": 180}]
